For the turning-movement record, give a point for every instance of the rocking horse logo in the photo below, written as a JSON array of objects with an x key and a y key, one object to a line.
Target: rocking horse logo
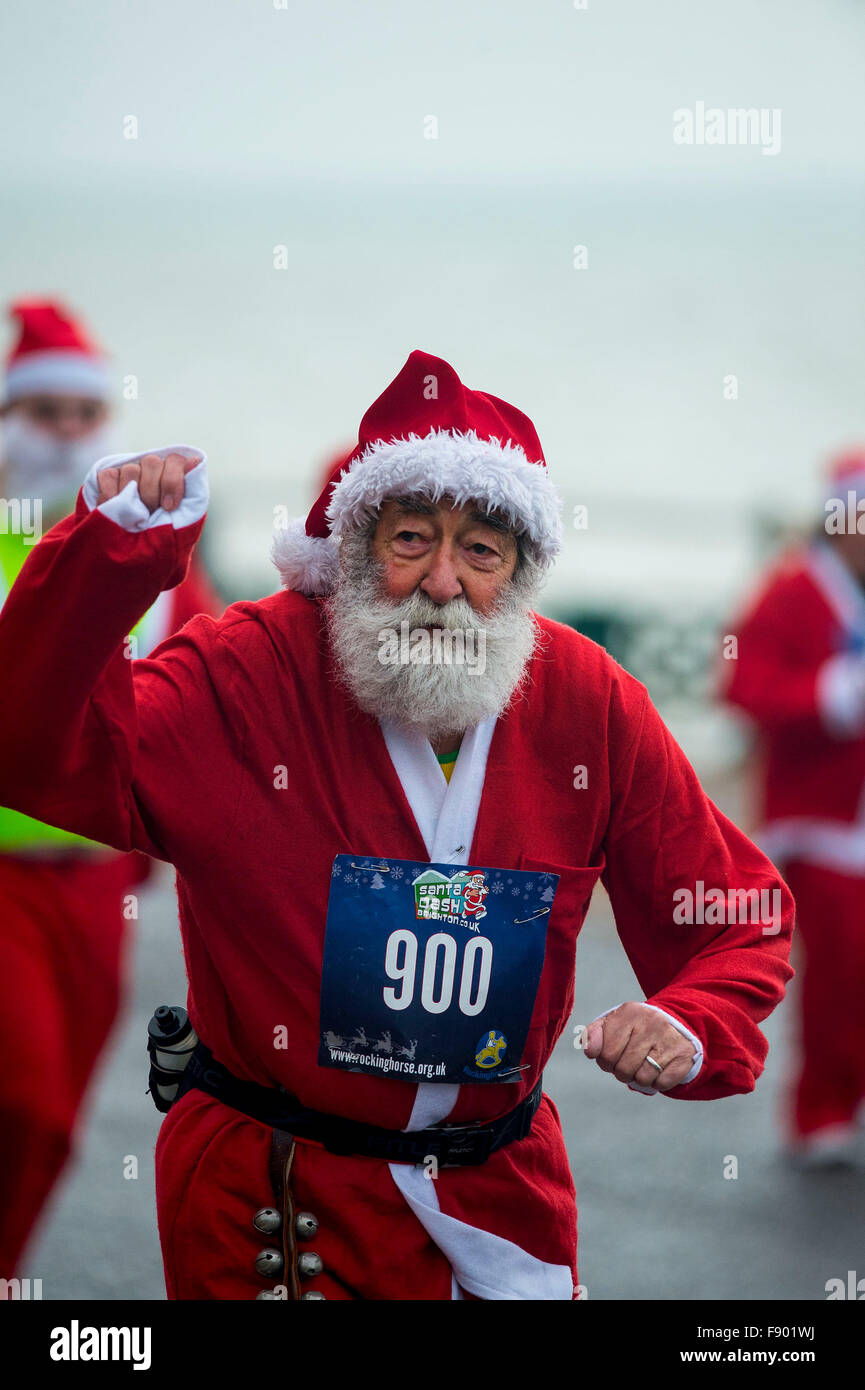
[{"x": 490, "y": 1049}]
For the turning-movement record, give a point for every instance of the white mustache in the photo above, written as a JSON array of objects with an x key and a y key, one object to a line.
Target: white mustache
[
  {"x": 36, "y": 464},
  {"x": 437, "y": 697}
]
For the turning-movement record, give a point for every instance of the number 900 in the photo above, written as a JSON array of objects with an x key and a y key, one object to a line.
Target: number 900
[{"x": 403, "y": 944}]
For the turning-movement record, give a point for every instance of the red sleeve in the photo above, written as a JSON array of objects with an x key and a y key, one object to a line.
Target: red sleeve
[
  {"x": 771, "y": 672},
  {"x": 196, "y": 594},
  {"x": 90, "y": 741},
  {"x": 666, "y": 836}
]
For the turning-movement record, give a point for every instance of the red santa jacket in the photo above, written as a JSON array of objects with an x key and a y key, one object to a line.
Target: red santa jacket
[
  {"x": 20, "y": 835},
  {"x": 798, "y": 672},
  {"x": 178, "y": 755}
]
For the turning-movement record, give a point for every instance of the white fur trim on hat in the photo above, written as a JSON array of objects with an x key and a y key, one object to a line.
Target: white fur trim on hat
[
  {"x": 461, "y": 465},
  {"x": 67, "y": 372},
  {"x": 306, "y": 563},
  {"x": 464, "y": 467}
]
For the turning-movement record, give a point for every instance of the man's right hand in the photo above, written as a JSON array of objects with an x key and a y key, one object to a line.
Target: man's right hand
[{"x": 160, "y": 481}]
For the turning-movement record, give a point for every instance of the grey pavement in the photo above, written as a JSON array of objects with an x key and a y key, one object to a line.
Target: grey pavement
[{"x": 657, "y": 1217}]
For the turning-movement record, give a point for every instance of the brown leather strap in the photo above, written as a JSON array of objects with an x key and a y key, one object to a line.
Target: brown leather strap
[{"x": 281, "y": 1157}]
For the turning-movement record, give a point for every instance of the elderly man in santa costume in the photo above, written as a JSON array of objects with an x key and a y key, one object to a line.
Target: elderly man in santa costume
[
  {"x": 798, "y": 671},
  {"x": 62, "y": 897},
  {"x": 363, "y": 1117}
]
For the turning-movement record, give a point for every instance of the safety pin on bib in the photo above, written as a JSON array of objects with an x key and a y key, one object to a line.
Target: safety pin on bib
[
  {"x": 373, "y": 868},
  {"x": 520, "y": 921},
  {"x": 512, "y": 1071},
  {"x": 477, "y": 1124}
]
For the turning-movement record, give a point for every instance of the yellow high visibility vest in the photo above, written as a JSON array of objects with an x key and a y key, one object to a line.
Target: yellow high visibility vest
[{"x": 17, "y": 831}]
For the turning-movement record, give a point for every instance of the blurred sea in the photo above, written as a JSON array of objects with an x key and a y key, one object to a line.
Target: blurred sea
[{"x": 621, "y": 365}]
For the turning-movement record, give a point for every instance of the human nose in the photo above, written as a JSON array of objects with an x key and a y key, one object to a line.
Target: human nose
[
  {"x": 441, "y": 582},
  {"x": 70, "y": 427}
]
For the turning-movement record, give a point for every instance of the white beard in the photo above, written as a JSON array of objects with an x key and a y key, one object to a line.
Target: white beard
[
  {"x": 37, "y": 465},
  {"x": 432, "y": 696}
]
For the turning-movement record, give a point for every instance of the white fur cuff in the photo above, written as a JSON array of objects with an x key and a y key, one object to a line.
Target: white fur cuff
[
  {"x": 127, "y": 508},
  {"x": 841, "y": 694}
]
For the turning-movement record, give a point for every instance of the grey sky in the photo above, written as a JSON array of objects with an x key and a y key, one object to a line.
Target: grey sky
[
  {"x": 303, "y": 127},
  {"x": 340, "y": 88}
]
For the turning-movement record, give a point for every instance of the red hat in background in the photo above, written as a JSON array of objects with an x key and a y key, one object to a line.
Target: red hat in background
[
  {"x": 846, "y": 471},
  {"x": 53, "y": 354},
  {"x": 426, "y": 433}
]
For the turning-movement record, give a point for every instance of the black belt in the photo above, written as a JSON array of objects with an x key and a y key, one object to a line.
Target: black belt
[{"x": 271, "y": 1105}]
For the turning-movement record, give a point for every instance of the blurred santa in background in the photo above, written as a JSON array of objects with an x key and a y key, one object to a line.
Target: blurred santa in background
[
  {"x": 64, "y": 900},
  {"x": 798, "y": 671}
]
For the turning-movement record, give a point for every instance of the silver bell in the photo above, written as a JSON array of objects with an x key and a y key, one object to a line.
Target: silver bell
[
  {"x": 309, "y": 1264},
  {"x": 266, "y": 1293},
  {"x": 267, "y": 1220},
  {"x": 311, "y": 1295},
  {"x": 306, "y": 1225},
  {"x": 269, "y": 1263}
]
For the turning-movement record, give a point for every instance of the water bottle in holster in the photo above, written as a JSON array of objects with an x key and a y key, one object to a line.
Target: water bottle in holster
[{"x": 171, "y": 1039}]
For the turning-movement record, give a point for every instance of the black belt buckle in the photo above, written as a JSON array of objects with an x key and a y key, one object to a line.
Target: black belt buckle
[{"x": 466, "y": 1146}]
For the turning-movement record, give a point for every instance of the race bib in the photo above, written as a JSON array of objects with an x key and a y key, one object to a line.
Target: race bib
[{"x": 430, "y": 973}]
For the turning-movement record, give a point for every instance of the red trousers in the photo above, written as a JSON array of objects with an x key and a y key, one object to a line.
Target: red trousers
[
  {"x": 830, "y": 1085},
  {"x": 61, "y": 945},
  {"x": 212, "y": 1175}
]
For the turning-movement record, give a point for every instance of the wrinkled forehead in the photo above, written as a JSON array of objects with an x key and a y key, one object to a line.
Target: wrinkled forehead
[{"x": 420, "y": 504}]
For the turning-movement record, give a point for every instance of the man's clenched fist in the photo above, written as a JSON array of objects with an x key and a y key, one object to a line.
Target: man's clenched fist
[
  {"x": 160, "y": 480},
  {"x": 623, "y": 1039}
]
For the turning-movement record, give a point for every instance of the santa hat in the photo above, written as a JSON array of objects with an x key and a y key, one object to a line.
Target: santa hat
[
  {"x": 426, "y": 433},
  {"x": 53, "y": 354},
  {"x": 846, "y": 473}
]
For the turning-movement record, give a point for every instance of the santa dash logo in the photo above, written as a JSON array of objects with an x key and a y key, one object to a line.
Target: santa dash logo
[
  {"x": 717, "y": 907},
  {"x": 458, "y": 900}
]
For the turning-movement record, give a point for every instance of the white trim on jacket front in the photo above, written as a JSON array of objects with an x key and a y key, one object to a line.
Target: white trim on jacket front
[
  {"x": 486, "y": 1265},
  {"x": 446, "y": 813}
]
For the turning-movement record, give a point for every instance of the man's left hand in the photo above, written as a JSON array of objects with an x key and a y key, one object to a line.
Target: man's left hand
[{"x": 622, "y": 1040}]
